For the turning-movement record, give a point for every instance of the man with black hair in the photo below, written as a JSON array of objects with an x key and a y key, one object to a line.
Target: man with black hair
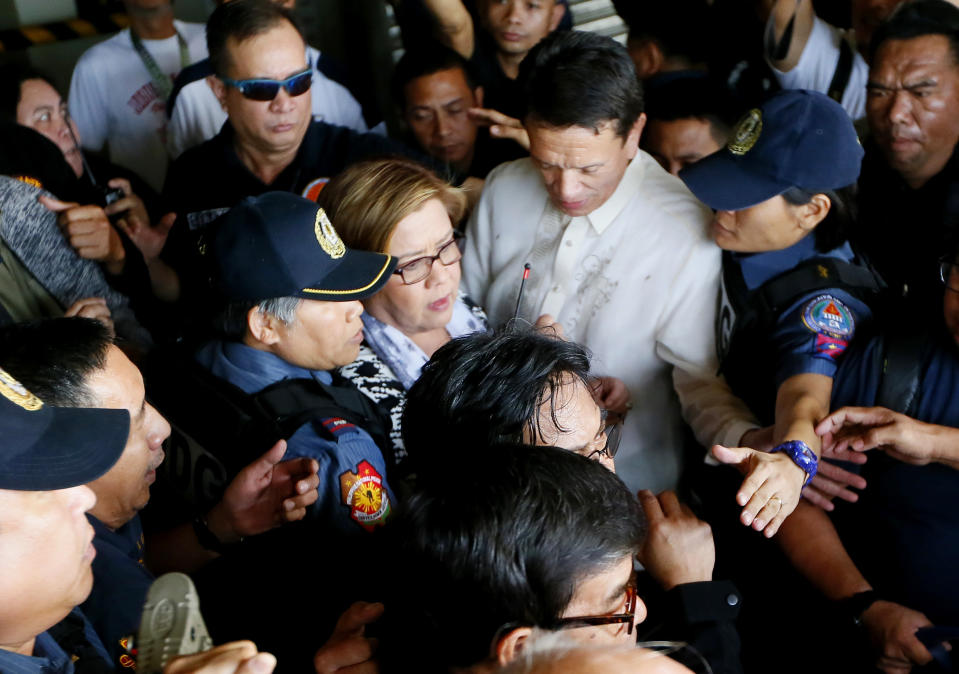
[
  {"x": 523, "y": 537},
  {"x": 687, "y": 119},
  {"x": 509, "y": 386},
  {"x": 74, "y": 363},
  {"x": 618, "y": 251},
  {"x": 495, "y": 40},
  {"x": 909, "y": 187},
  {"x": 435, "y": 90},
  {"x": 196, "y": 115}
]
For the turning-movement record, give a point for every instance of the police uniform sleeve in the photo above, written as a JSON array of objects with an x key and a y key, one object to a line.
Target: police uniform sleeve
[
  {"x": 354, "y": 495},
  {"x": 813, "y": 334}
]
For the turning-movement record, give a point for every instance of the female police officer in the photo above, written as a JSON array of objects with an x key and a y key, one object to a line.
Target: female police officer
[{"x": 792, "y": 287}]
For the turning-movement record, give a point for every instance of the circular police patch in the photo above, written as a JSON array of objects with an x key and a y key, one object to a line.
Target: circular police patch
[{"x": 828, "y": 316}]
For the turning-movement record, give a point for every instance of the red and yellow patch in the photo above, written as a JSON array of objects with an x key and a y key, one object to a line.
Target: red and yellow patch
[
  {"x": 366, "y": 497},
  {"x": 128, "y": 662}
]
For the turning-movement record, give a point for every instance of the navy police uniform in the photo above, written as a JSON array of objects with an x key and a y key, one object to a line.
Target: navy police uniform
[
  {"x": 354, "y": 495},
  {"x": 807, "y": 334},
  {"x": 69, "y": 647},
  {"x": 903, "y": 533}
]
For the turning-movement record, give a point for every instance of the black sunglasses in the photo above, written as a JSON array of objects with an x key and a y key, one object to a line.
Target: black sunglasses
[{"x": 266, "y": 90}]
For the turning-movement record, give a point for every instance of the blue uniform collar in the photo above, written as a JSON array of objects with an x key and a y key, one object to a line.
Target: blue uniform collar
[
  {"x": 47, "y": 658},
  {"x": 758, "y": 268},
  {"x": 252, "y": 369}
]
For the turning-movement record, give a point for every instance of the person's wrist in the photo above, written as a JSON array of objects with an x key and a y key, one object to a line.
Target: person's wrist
[
  {"x": 219, "y": 523},
  {"x": 802, "y": 456},
  {"x": 859, "y": 607}
]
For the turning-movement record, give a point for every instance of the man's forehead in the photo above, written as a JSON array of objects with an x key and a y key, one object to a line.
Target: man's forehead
[
  {"x": 441, "y": 83},
  {"x": 924, "y": 51}
]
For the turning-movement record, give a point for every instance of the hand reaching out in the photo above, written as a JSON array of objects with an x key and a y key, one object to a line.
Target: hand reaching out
[{"x": 679, "y": 546}]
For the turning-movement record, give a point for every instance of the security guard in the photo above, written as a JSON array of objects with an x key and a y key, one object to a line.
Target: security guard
[
  {"x": 793, "y": 290},
  {"x": 293, "y": 314}
]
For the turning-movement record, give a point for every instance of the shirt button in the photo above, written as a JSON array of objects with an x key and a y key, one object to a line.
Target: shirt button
[
  {"x": 569, "y": 243},
  {"x": 732, "y": 599},
  {"x": 556, "y": 289}
]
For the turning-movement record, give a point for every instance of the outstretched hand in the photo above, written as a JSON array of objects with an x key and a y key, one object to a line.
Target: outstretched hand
[
  {"x": 863, "y": 428},
  {"x": 236, "y": 657},
  {"x": 771, "y": 489},
  {"x": 349, "y": 650},
  {"x": 501, "y": 126},
  {"x": 264, "y": 495},
  {"x": 679, "y": 546}
]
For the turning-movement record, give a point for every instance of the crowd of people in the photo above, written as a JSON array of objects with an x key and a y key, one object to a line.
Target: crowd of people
[{"x": 591, "y": 357}]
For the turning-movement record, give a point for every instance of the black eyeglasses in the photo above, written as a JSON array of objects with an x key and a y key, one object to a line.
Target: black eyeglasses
[
  {"x": 628, "y": 616},
  {"x": 420, "y": 268},
  {"x": 945, "y": 274},
  {"x": 613, "y": 432},
  {"x": 257, "y": 89}
]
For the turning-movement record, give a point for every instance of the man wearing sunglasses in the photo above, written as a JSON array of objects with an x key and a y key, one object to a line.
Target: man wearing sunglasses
[{"x": 270, "y": 142}]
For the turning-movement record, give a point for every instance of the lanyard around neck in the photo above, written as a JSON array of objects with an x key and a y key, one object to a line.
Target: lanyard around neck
[{"x": 162, "y": 81}]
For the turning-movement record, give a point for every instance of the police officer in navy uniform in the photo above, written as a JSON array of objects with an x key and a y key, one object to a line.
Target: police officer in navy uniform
[
  {"x": 792, "y": 298},
  {"x": 793, "y": 289},
  {"x": 293, "y": 313}
]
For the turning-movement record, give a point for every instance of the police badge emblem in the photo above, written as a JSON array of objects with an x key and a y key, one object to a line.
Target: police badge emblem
[
  {"x": 746, "y": 133},
  {"x": 327, "y": 237},
  {"x": 366, "y": 497},
  {"x": 17, "y": 393}
]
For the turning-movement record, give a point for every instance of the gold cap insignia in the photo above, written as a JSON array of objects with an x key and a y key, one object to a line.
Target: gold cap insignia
[
  {"x": 17, "y": 393},
  {"x": 327, "y": 237},
  {"x": 746, "y": 133}
]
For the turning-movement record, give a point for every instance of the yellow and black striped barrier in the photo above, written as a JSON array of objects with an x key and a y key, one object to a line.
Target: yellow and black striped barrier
[{"x": 17, "y": 39}]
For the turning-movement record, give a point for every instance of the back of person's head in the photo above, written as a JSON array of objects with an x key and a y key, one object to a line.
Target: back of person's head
[
  {"x": 241, "y": 20},
  {"x": 54, "y": 358},
  {"x": 34, "y": 159},
  {"x": 368, "y": 199},
  {"x": 486, "y": 388},
  {"x": 502, "y": 543},
  {"x": 427, "y": 60},
  {"x": 574, "y": 78},
  {"x": 692, "y": 97},
  {"x": 918, "y": 19},
  {"x": 12, "y": 77},
  {"x": 682, "y": 30}
]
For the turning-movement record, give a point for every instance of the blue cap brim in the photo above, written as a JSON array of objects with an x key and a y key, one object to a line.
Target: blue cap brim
[
  {"x": 77, "y": 446},
  {"x": 359, "y": 275},
  {"x": 722, "y": 182}
]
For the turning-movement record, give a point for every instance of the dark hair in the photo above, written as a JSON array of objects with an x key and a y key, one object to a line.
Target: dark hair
[
  {"x": 573, "y": 78},
  {"x": 692, "y": 96},
  {"x": 241, "y": 20},
  {"x": 917, "y": 19},
  {"x": 12, "y": 77},
  {"x": 840, "y": 220},
  {"x": 53, "y": 358},
  {"x": 682, "y": 29},
  {"x": 486, "y": 388},
  {"x": 427, "y": 60},
  {"x": 503, "y": 541}
]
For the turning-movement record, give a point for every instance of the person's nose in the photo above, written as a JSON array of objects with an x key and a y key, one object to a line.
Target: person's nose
[
  {"x": 443, "y": 125},
  {"x": 516, "y": 13},
  {"x": 900, "y": 108},
  {"x": 567, "y": 185},
  {"x": 282, "y": 102},
  {"x": 354, "y": 310}
]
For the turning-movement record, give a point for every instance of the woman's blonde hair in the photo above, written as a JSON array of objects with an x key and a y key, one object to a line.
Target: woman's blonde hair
[{"x": 368, "y": 199}]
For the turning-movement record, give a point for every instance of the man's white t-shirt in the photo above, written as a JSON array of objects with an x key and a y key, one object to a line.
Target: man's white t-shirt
[
  {"x": 198, "y": 116},
  {"x": 636, "y": 281},
  {"x": 817, "y": 66},
  {"x": 114, "y": 101}
]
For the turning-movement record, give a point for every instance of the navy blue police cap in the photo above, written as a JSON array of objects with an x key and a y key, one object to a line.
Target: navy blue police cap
[
  {"x": 282, "y": 245},
  {"x": 43, "y": 448},
  {"x": 797, "y": 138}
]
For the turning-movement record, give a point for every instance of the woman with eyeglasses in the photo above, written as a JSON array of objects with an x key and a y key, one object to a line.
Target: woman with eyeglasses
[{"x": 399, "y": 207}]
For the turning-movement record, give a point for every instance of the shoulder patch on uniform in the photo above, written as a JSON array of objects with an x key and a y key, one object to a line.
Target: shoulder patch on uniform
[
  {"x": 127, "y": 661},
  {"x": 312, "y": 191},
  {"x": 336, "y": 425},
  {"x": 366, "y": 497},
  {"x": 826, "y": 315}
]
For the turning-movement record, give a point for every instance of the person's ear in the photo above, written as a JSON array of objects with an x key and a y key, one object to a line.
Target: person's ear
[
  {"x": 559, "y": 9},
  {"x": 219, "y": 90},
  {"x": 635, "y": 133},
  {"x": 262, "y": 327},
  {"x": 478, "y": 95},
  {"x": 814, "y": 212},
  {"x": 647, "y": 57},
  {"x": 511, "y": 644}
]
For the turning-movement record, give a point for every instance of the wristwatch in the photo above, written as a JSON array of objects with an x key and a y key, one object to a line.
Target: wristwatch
[
  {"x": 208, "y": 539},
  {"x": 802, "y": 455},
  {"x": 853, "y": 607}
]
